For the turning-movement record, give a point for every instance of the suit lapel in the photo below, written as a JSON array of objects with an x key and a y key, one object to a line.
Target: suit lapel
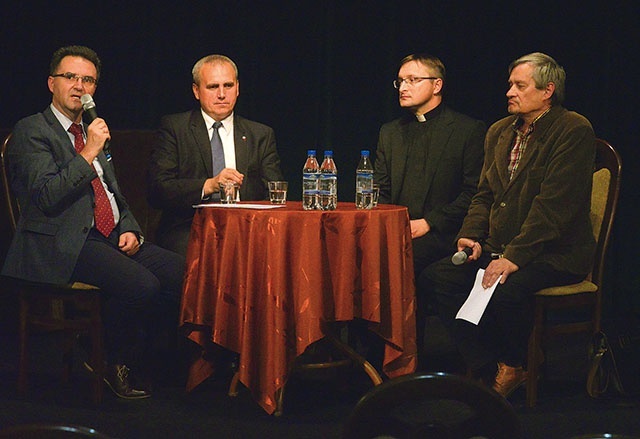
[
  {"x": 399, "y": 165},
  {"x": 241, "y": 144},
  {"x": 501, "y": 155},
  {"x": 200, "y": 135},
  {"x": 529, "y": 154},
  {"x": 538, "y": 137},
  {"x": 439, "y": 140},
  {"x": 63, "y": 140}
]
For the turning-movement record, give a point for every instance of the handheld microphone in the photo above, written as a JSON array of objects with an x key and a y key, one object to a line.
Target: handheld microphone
[
  {"x": 89, "y": 107},
  {"x": 460, "y": 257}
]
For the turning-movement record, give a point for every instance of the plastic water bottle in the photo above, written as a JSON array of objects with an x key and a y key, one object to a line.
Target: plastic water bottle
[
  {"x": 328, "y": 183},
  {"x": 310, "y": 176},
  {"x": 364, "y": 182}
]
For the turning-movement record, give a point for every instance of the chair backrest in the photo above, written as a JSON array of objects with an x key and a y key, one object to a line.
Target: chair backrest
[
  {"x": 11, "y": 204},
  {"x": 435, "y": 406},
  {"x": 8, "y": 206},
  {"x": 604, "y": 204}
]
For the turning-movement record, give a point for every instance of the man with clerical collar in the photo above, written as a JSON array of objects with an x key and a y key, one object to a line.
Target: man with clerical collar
[{"x": 429, "y": 161}]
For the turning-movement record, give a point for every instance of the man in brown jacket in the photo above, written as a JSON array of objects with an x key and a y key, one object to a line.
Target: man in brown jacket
[{"x": 528, "y": 226}]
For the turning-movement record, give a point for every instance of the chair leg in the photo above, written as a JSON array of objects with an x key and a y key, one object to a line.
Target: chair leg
[
  {"x": 23, "y": 331},
  {"x": 534, "y": 359},
  {"x": 97, "y": 353},
  {"x": 532, "y": 371},
  {"x": 279, "y": 401},
  {"x": 67, "y": 355}
]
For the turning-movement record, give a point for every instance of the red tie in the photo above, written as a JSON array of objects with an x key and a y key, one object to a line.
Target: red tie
[{"x": 102, "y": 212}]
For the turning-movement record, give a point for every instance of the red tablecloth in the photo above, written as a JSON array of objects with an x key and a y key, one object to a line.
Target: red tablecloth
[{"x": 263, "y": 282}]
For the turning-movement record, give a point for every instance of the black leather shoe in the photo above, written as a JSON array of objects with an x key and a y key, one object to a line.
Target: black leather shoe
[{"x": 116, "y": 376}]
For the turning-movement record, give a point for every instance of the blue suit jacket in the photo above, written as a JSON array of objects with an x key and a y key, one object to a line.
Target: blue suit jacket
[{"x": 53, "y": 186}]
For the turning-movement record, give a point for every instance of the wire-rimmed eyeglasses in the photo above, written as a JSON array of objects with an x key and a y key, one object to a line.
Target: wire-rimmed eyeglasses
[
  {"x": 88, "y": 80},
  {"x": 411, "y": 81}
]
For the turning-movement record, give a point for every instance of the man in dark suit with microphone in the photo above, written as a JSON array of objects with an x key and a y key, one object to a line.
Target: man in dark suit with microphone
[
  {"x": 186, "y": 168},
  {"x": 528, "y": 226},
  {"x": 75, "y": 224}
]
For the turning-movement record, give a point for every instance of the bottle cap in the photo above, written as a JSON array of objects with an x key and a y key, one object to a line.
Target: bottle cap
[
  {"x": 328, "y": 152},
  {"x": 311, "y": 152},
  {"x": 365, "y": 152}
]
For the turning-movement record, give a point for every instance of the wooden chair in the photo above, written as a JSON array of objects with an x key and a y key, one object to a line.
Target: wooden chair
[
  {"x": 436, "y": 405},
  {"x": 588, "y": 293},
  {"x": 73, "y": 308}
]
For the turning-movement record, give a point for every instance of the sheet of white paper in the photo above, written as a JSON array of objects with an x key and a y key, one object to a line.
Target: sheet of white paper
[
  {"x": 240, "y": 206},
  {"x": 473, "y": 308}
]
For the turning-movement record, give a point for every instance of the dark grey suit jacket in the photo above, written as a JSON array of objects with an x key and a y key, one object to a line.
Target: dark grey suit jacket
[
  {"x": 452, "y": 172},
  {"x": 53, "y": 186},
  {"x": 181, "y": 162}
]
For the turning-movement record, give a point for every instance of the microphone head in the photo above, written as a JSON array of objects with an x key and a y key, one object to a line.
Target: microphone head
[
  {"x": 87, "y": 101},
  {"x": 459, "y": 258}
]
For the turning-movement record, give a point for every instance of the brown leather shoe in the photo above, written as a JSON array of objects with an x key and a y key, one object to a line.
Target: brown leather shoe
[{"x": 509, "y": 379}]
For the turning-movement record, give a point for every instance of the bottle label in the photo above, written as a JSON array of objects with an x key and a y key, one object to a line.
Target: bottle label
[
  {"x": 364, "y": 181},
  {"x": 327, "y": 184}
]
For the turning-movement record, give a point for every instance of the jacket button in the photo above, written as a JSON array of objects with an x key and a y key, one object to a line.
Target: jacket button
[
  {"x": 503, "y": 204},
  {"x": 85, "y": 230}
]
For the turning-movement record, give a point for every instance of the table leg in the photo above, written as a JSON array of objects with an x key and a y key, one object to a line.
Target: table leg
[
  {"x": 356, "y": 358},
  {"x": 233, "y": 387}
]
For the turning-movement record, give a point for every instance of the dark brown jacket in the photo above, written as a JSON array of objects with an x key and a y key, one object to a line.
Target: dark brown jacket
[{"x": 542, "y": 214}]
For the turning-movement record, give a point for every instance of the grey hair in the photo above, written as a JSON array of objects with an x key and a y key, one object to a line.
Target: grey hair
[
  {"x": 211, "y": 59},
  {"x": 546, "y": 70}
]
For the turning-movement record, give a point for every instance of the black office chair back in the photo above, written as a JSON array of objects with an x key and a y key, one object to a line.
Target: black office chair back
[{"x": 435, "y": 406}]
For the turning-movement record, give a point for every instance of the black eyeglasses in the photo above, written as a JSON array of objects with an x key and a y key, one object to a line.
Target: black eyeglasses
[
  {"x": 411, "y": 81},
  {"x": 88, "y": 80}
]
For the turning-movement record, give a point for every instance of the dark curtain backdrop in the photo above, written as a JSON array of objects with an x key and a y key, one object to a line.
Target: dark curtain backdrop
[{"x": 320, "y": 72}]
